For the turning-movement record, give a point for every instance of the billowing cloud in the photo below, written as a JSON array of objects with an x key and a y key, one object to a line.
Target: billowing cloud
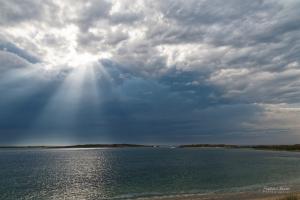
[{"x": 150, "y": 71}]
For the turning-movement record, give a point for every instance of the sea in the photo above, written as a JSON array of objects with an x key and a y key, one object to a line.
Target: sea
[{"x": 133, "y": 173}]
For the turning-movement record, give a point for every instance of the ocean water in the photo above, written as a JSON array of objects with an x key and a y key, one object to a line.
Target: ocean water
[{"x": 128, "y": 173}]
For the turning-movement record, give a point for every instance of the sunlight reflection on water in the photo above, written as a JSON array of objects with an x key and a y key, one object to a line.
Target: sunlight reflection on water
[{"x": 130, "y": 172}]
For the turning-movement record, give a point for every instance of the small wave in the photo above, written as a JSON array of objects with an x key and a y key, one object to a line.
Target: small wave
[
  {"x": 156, "y": 195},
  {"x": 257, "y": 188}
]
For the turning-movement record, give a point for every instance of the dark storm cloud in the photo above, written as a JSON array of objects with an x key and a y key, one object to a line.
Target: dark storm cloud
[
  {"x": 100, "y": 11},
  {"x": 93, "y": 12},
  {"x": 9, "y": 47},
  {"x": 11, "y": 61},
  {"x": 16, "y": 11},
  {"x": 171, "y": 71}
]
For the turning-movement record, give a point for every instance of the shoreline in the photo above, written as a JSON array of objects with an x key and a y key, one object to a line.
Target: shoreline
[
  {"x": 289, "y": 148},
  {"x": 226, "y": 196}
]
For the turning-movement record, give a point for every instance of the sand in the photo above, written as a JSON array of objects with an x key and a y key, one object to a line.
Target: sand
[{"x": 232, "y": 196}]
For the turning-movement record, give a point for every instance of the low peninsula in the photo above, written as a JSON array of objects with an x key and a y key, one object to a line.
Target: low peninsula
[{"x": 293, "y": 147}]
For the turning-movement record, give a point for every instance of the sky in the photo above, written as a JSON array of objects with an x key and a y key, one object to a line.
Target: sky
[{"x": 149, "y": 71}]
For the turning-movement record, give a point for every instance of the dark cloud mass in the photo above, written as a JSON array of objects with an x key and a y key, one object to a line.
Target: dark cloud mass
[{"x": 144, "y": 71}]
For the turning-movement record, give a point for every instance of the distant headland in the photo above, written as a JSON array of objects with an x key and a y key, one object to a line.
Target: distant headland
[
  {"x": 293, "y": 147},
  {"x": 79, "y": 146}
]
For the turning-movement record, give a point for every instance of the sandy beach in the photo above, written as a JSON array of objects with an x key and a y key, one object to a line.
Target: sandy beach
[{"x": 231, "y": 196}]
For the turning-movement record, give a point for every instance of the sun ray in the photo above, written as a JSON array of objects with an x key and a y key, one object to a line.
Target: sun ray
[
  {"x": 91, "y": 91},
  {"x": 61, "y": 111},
  {"x": 62, "y": 106},
  {"x": 19, "y": 83}
]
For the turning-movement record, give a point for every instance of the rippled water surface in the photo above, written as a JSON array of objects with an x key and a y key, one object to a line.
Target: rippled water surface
[{"x": 137, "y": 172}]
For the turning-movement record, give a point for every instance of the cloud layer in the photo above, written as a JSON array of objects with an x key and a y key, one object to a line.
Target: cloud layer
[{"x": 150, "y": 71}]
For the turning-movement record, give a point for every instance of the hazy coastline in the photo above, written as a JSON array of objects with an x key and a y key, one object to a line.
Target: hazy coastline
[{"x": 283, "y": 147}]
